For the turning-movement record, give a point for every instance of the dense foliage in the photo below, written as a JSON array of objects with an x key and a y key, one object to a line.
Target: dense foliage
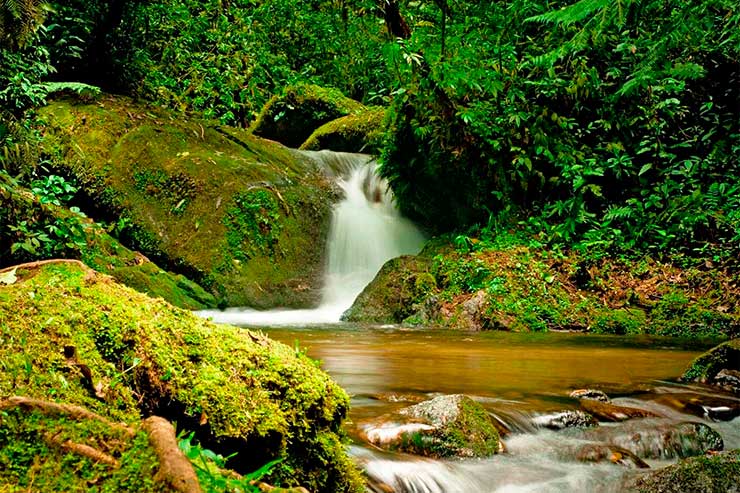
[{"x": 612, "y": 124}]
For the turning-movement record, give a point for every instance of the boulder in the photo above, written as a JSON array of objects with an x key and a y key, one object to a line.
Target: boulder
[
  {"x": 728, "y": 380},
  {"x": 712, "y": 407},
  {"x": 716, "y": 473},
  {"x": 446, "y": 426},
  {"x": 361, "y": 131},
  {"x": 91, "y": 342},
  {"x": 651, "y": 440},
  {"x": 242, "y": 216},
  {"x": 291, "y": 117},
  {"x": 391, "y": 295}
]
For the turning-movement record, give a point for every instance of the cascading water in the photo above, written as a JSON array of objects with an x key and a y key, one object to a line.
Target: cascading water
[{"x": 366, "y": 231}]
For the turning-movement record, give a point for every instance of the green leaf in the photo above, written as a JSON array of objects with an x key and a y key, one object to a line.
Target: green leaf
[{"x": 645, "y": 168}]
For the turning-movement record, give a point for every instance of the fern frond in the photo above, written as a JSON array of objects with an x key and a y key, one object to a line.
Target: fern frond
[{"x": 573, "y": 13}]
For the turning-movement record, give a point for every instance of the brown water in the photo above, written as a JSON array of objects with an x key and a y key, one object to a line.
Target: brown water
[
  {"x": 537, "y": 371},
  {"x": 515, "y": 376}
]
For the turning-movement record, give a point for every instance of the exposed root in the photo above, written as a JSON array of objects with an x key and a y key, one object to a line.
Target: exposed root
[
  {"x": 174, "y": 468},
  {"x": 53, "y": 409},
  {"x": 81, "y": 449}
]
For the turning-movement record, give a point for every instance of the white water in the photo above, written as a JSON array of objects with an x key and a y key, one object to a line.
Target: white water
[{"x": 366, "y": 231}]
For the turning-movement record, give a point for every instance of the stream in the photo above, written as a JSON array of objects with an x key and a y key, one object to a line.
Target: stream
[
  {"x": 514, "y": 376},
  {"x": 520, "y": 379}
]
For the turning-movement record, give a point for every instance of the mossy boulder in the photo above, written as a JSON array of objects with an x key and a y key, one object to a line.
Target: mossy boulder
[
  {"x": 23, "y": 217},
  {"x": 70, "y": 334},
  {"x": 358, "y": 132},
  {"x": 446, "y": 426},
  {"x": 242, "y": 216},
  {"x": 391, "y": 295},
  {"x": 719, "y": 366},
  {"x": 291, "y": 117},
  {"x": 718, "y": 473}
]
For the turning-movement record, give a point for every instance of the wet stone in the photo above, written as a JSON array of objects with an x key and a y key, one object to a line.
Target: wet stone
[
  {"x": 728, "y": 380},
  {"x": 605, "y": 411},
  {"x": 592, "y": 394},
  {"x": 564, "y": 419},
  {"x": 704, "y": 406},
  {"x": 602, "y": 452}
]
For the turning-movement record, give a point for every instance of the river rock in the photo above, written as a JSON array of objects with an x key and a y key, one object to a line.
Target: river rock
[
  {"x": 446, "y": 426},
  {"x": 468, "y": 315},
  {"x": 650, "y": 440},
  {"x": 601, "y": 452},
  {"x": 596, "y": 395},
  {"x": 728, "y": 380},
  {"x": 245, "y": 217},
  {"x": 723, "y": 359},
  {"x": 606, "y": 411},
  {"x": 715, "y": 408},
  {"x": 564, "y": 419},
  {"x": 391, "y": 295},
  {"x": 716, "y": 473}
]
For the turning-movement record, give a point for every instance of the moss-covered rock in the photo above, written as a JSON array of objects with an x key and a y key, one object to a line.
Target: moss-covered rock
[
  {"x": 707, "y": 367},
  {"x": 446, "y": 426},
  {"x": 391, "y": 295},
  {"x": 24, "y": 218},
  {"x": 357, "y": 132},
  {"x": 291, "y": 117},
  {"x": 506, "y": 284},
  {"x": 718, "y": 473},
  {"x": 68, "y": 333},
  {"x": 245, "y": 217}
]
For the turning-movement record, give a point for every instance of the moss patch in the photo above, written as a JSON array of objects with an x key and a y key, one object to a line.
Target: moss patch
[
  {"x": 239, "y": 391},
  {"x": 242, "y": 216},
  {"x": 357, "y": 132},
  {"x": 292, "y": 116},
  {"x": 96, "y": 248}
]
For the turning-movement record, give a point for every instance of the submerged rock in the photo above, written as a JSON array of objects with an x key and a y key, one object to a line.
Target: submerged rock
[
  {"x": 595, "y": 395},
  {"x": 601, "y": 452},
  {"x": 728, "y": 380},
  {"x": 704, "y": 406},
  {"x": 606, "y": 411},
  {"x": 446, "y": 426},
  {"x": 650, "y": 440},
  {"x": 244, "y": 217},
  {"x": 291, "y": 117},
  {"x": 564, "y": 419},
  {"x": 717, "y": 473},
  {"x": 91, "y": 342}
]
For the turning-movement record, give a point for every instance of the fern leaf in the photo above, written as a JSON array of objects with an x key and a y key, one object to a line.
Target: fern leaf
[{"x": 571, "y": 14}]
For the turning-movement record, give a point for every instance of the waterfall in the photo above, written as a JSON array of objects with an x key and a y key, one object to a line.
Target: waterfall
[{"x": 366, "y": 231}]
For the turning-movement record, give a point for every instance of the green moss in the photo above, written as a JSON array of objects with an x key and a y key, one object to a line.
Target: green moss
[
  {"x": 238, "y": 390},
  {"x": 292, "y": 116},
  {"x": 187, "y": 191},
  {"x": 620, "y": 322},
  {"x": 675, "y": 314},
  {"x": 30, "y": 461},
  {"x": 357, "y": 132},
  {"x": 706, "y": 366},
  {"x": 717, "y": 473}
]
